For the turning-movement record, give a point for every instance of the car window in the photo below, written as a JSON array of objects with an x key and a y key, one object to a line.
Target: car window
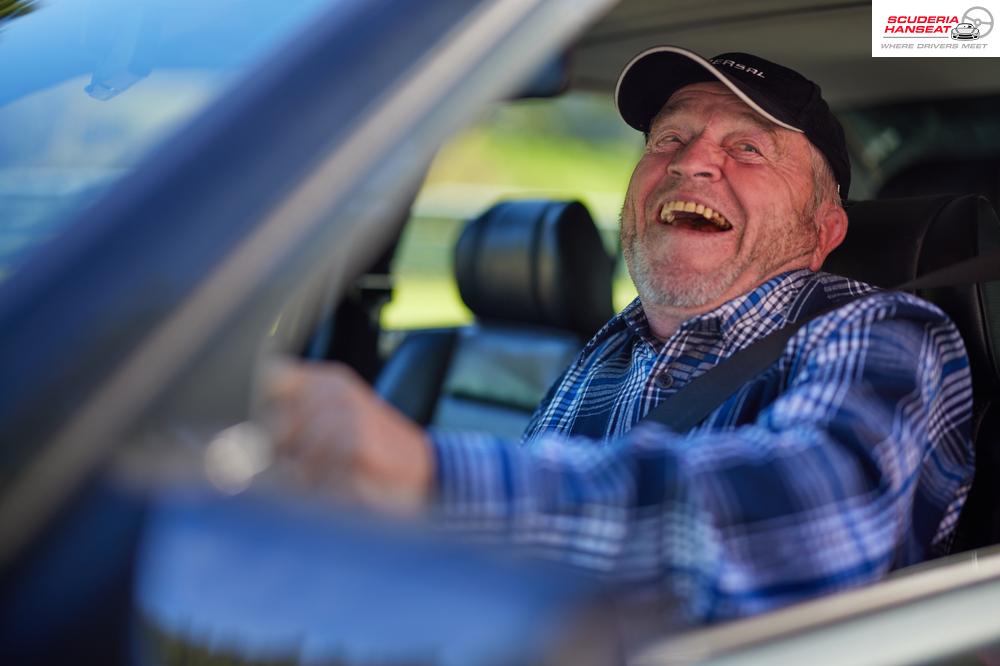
[
  {"x": 97, "y": 84},
  {"x": 570, "y": 147},
  {"x": 886, "y": 139}
]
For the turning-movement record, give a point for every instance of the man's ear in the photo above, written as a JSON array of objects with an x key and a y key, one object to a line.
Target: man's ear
[{"x": 831, "y": 227}]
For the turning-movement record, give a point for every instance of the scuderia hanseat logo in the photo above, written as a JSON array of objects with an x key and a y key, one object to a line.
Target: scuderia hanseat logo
[{"x": 929, "y": 29}]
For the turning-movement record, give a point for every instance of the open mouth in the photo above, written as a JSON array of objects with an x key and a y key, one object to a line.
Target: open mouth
[{"x": 694, "y": 216}]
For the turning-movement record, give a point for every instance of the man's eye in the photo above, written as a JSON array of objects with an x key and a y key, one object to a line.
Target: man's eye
[
  {"x": 669, "y": 138},
  {"x": 664, "y": 142},
  {"x": 749, "y": 148}
]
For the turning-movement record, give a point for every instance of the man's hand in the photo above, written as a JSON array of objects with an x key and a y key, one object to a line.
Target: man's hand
[{"x": 344, "y": 438}]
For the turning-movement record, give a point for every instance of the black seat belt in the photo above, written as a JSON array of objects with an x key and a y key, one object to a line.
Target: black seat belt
[{"x": 692, "y": 404}]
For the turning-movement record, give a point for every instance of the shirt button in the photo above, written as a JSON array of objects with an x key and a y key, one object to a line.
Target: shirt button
[{"x": 664, "y": 380}]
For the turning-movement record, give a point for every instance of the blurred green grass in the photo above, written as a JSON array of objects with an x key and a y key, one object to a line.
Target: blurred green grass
[
  {"x": 422, "y": 301},
  {"x": 569, "y": 148}
]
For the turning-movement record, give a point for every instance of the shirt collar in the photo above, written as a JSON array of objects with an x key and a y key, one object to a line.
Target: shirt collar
[{"x": 739, "y": 321}]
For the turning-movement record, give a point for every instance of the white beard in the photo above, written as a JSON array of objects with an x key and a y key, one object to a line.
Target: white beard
[
  {"x": 662, "y": 289},
  {"x": 666, "y": 287}
]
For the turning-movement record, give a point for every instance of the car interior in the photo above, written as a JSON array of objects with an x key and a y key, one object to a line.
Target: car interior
[
  {"x": 914, "y": 209},
  {"x": 536, "y": 274},
  {"x": 538, "y": 280}
]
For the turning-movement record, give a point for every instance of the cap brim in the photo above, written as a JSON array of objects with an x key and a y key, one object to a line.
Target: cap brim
[{"x": 650, "y": 78}]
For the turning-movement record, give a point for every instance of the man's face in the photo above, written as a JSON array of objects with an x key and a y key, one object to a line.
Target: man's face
[{"x": 707, "y": 148}]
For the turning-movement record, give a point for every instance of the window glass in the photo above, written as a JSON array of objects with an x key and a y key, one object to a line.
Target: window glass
[
  {"x": 571, "y": 147},
  {"x": 887, "y": 140},
  {"x": 89, "y": 88}
]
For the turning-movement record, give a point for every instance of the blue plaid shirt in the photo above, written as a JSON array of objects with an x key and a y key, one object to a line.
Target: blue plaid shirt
[{"x": 849, "y": 457}]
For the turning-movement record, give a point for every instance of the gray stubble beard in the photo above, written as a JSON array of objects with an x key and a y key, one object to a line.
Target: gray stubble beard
[
  {"x": 664, "y": 291},
  {"x": 701, "y": 289}
]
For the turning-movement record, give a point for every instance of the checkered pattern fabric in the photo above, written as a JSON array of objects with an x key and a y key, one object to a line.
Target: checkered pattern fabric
[{"x": 847, "y": 458}]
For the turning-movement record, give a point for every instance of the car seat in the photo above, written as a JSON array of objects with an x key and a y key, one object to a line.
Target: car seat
[
  {"x": 538, "y": 280},
  {"x": 892, "y": 241}
]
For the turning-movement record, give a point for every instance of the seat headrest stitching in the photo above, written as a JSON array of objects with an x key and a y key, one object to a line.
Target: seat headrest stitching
[
  {"x": 929, "y": 220},
  {"x": 534, "y": 265}
]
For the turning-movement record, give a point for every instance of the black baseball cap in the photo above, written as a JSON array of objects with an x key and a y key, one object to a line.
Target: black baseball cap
[{"x": 778, "y": 93}]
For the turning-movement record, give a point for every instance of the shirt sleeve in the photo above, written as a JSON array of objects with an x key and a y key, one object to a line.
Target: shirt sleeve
[{"x": 818, "y": 494}]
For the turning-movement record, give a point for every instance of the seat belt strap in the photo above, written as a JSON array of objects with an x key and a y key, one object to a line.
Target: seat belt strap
[{"x": 685, "y": 409}]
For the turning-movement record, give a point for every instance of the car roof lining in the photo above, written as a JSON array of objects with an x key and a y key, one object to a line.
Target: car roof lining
[{"x": 827, "y": 41}]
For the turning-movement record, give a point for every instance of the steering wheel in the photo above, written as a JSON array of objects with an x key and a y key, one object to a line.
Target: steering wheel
[{"x": 979, "y": 17}]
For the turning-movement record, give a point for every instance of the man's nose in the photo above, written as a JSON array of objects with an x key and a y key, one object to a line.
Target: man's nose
[{"x": 698, "y": 159}]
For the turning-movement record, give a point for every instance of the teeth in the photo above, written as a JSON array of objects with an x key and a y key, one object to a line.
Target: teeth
[{"x": 716, "y": 218}]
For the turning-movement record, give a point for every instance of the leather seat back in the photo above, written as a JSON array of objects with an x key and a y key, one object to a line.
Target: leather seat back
[
  {"x": 895, "y": 240},
  {"x": 538, "y": 280}
]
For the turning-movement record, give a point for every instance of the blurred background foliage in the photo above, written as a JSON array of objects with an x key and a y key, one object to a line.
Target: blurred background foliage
[{"x": 570, "y": 147}]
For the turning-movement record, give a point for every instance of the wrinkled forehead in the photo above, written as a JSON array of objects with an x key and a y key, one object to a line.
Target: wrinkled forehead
[
  {"x": 695, "y": 103},
  {"x": 695, "y": 98}
]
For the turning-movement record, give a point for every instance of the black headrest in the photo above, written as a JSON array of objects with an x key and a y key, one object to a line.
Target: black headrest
[
  {"x": 892, "y": 241},
  {"x": 943, "y": 176},
  {"x": 536, "y": 262}
]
